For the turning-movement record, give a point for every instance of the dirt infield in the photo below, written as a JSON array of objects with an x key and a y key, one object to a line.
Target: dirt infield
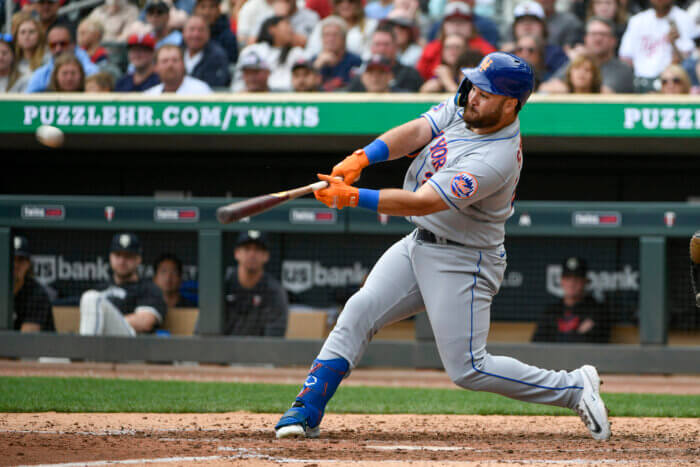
[{"x": 240, "y": 438}]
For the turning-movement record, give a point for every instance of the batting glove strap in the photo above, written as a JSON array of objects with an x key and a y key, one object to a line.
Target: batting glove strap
[
  {"x": 377, "y": 151},
  {"x": 368, "y": 199}
]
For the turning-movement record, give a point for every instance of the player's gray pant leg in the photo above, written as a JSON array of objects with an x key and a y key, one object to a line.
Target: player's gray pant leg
[
  {"x": 457, "y": 285},
  {"x": 98, "y": 317},
  {"x": 389, "y": 294}
]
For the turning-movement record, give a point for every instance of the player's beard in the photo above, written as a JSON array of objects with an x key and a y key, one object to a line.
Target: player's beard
[{"x": 476, "y": 120}]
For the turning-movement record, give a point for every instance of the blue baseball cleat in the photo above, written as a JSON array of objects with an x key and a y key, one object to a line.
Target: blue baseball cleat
[{"x": 295, "y": 423}]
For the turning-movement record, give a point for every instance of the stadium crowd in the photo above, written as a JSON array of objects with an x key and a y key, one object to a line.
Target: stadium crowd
[{"x": 205, "y": 46}]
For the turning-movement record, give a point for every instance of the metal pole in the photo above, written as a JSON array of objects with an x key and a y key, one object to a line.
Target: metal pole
[
  {"x": 8, "y": 16},
  {"x": 211, "y": 282},
  {"x": 6, "y": 294},
  {"x": 653, "y": 309}
]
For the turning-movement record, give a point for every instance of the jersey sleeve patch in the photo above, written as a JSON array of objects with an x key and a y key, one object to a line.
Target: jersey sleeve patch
[{"x": 464, "y": 185}]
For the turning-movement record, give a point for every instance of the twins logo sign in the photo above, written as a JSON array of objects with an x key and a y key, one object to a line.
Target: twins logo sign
[{"x": 464, "y": 185}]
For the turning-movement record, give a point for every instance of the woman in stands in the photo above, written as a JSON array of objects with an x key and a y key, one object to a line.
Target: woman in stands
[
  {"x": 674, "y": 80},
  {"x": 275, "y": 46},
  {"x": 68, "y": 75},
  {"x": 30, "y": 43},
  {"x": 11, "y": 80},
  {"x": 446, "y": 77},
  {"x": 582, "y": 77}
]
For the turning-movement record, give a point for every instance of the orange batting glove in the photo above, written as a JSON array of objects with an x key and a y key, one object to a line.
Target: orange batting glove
[
  {"x": 338, "y": 194},
  {"x": 351, "y": 167}
]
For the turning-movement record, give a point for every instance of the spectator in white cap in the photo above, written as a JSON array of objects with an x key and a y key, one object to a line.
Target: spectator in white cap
[
  {"x": 654, "y": 39},
  {"x": 170, "y": 66},
  {"x": 253, "y": 73},
  {"x": 458, "y": 20},
  {"x": 530, "y": 21},
  {"x": 564, "y": 28}
]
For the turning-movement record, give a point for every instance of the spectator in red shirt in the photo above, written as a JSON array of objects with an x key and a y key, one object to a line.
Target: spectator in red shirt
[{"x": 458, "y": 20}]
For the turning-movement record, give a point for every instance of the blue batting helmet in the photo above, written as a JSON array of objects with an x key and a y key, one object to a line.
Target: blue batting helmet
[{"x": 498, "y": 73}]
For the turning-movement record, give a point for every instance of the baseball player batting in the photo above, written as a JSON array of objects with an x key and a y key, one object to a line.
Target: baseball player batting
[{"x": 459, "y": 191}]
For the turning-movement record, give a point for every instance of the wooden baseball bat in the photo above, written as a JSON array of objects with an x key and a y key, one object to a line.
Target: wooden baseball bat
[{"x": 259, "y": 204}]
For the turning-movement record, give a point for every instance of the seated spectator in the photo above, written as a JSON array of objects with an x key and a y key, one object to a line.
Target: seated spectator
[
  {"x": 254, "y": 73},
  {"x": 47, "y": 11},
  {"x": 170, "y": 66},
  {"x": 530, "y": 21},
  {"x": 305, "y": 78},
  {"x": 447, "y": 75},
  {"x": 99, "y": 82},
  {"x": 126, "y": 305},
  {"x": 654, "y": 39},
  {"x": 577, "y": 318},
  {"x": 610, "y": 10},
  {"x": 378, "y": 9},
  {"x": 32, "y": 309},
  {"x": 564, "y": 28},
  {"x": 334, "y": 62},
  {"x": 140, "y": 53},
  {"x": 114, "y": 17},
  {"x": 458, "y": 20},
  {"x": 384, "y": 44},
  {"x": 10, "y": 78},
  {"x": 690, "y": 64},
  {"x": 408, "y": 50},
  {"x": 531, "y": 49},
  {"x": 376, "y": 76},
  {"x": 599, "y": 43},
  {"x": 275, "y": 48},
  {"x": 168, "y": 278},
  {"x": 31, "y": 51},
  {"x": 219, "y": 28},
  {"x": 89, "y": 39},
  {"x": 303, "y": 20},
  {"x": 582, "y": 77},
  {"x": 358, "y": 29},
  {"x": 256, "y": 303},
  {"x": 674, "y": 80},
  {"x": 158, "y": 18},
  {"x": 204, "y": 59},
  {"x": 60, "y": 42},
  {"x": 67, "y": 75},
  {"x": 249, "y": 19},
  {"x": 488, "y": 29}
]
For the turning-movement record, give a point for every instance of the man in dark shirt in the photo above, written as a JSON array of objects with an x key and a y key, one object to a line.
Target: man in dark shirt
[
  {"x": 219, "y": 27},
  {"x": 32, "y": 309},
  {"x": 141, "y": 47},
  {"x": 256, "y": 303},
  {"x": 334, "y": 62},
  {"x": 126, "y": 305},
  {"x": 577, "y": 318},
  {"x": 384, "y": 43},
  {"x": 168, "y": 278}
]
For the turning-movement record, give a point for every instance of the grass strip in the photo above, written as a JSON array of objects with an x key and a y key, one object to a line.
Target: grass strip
[{"x": 42, "y": 394}]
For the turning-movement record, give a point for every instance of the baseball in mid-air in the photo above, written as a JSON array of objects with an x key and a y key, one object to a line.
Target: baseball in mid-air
[{"x": 49, "y": 136}]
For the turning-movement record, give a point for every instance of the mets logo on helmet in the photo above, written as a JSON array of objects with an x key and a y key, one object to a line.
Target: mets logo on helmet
[
  {"x": 485, "y": 63},
  {"x": 464, "y": 185}
]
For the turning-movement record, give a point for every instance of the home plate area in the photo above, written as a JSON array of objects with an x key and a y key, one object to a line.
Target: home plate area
[{"x": 241, "y": 438}]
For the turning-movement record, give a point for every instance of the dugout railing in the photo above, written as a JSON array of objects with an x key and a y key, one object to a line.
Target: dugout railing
[{"x": 638, "y": 252}]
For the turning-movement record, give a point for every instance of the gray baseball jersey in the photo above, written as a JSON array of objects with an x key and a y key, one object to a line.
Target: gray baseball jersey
[{"x": 476, "y": 175}]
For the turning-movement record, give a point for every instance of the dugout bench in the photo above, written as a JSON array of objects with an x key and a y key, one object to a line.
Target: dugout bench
[{"x": 313, "y": 325}]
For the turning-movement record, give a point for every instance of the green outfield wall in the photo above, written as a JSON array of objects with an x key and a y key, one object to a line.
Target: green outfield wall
[{"x": 283, "y": 114}]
